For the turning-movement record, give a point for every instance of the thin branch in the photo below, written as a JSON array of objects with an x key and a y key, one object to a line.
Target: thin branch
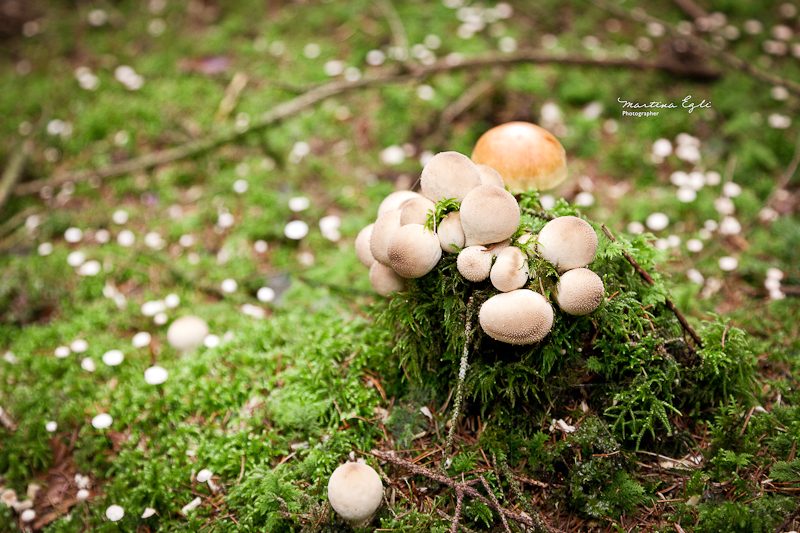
[
  {"x": 462, "y": 374},
  {"x": 735, "y": 62},
  {"x": 649, "y": 279},
  {"x": 399, "y": 35},
  {"x": 691, "y": 8},
  {"x": 794, "y": 514},
  {"x": 15, "y": 166},
  {"x": 335, "y": 88}
]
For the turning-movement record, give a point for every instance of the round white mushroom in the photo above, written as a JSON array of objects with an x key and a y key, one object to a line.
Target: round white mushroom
[
  {"x": 490, "y": 176},
  {"x": 517, "y": 317},
  {"x": 489, "y": 214},
  {"x": 567, "y": 242},
  {"x": 355, "y": 491},
  {"x": 414, "y": 250},
  {"x": 384, "y": 280},
  {"x": 449, "y": 175},
  {"x": 395, "y": 200},
  {"x": 510, "y": 270},
  {"x": 415, "y": 210},
  {"x": 187, "y": 332},
  {"x": 363, "y": 253},
  {"x": 475, "y": 263},
  {"x": 451, "y": 234},
  {"x": 382, "y": 232},
  {"x": 579, "y": 291}
]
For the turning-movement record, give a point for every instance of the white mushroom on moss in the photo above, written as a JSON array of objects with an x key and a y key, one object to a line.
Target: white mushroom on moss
[
  {"x": 395, "y": 200},
  {"x": 579, "y": 291},
  {"x": 386, "y": 281},
  {"x": 355, "y": 491},
  {"x": 416, "y": 210},
  {"x": 449, "y": 175},
  {"x": 451, "y": 234},
  {"x": 382, "y": 232},
  {"x": 187, "y": 333},
  {"x": 526, "y": 156},
  {"x": 475, "y": 263},
  {"x": 517, "y": 317},
  {"x": 567, "y": 242},
  {"x": 489, "y": 214},
  {"x": 363, "y": 252},
  {"x": 490, "y": 176},
  {"x": 510, "y": 270},
  {"x": 414, "y": 251}
]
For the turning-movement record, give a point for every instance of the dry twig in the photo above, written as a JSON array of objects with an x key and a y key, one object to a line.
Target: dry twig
[{"x": 13, "y": 170}]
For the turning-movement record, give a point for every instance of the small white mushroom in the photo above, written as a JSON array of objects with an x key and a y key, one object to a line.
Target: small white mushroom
[
  {"x": 451, "y": 234},
  {"x": 475, "y": 263},
  {"x": 517, "y": 317},
  {"x": 579, "y": 291},
  {"x": 384, "y": 280},
  {"x": 355, "y": 491},
  {"x": 382, "y": 232},
  {"x": 490, "y": 176},
  {"x": 187, "y": 332},
  {"x": 415, "y": 210},
  {"x": 414, "y": 251},
  {"x": 567, "y": 242},
  {"x": 510, "y": 270},
  {"x": 363, "y": 253},
  {"x": 395, "y": 200},
  {"x": 489, "y": 214},
  {"x": 526, "y": 156},
  {"x": 449, "y": 175}
]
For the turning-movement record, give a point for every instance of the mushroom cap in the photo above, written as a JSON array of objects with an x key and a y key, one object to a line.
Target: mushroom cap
[
  {"x": 490, "y": 176},
  {"x": 497, "y": 247},
  {"x": 384, "y": 280},
  {"x": 489, "y": 214},
  {"x": 526, "y": 156},
  {"x": 475, "y": 263},
  {"x": 187, "y": 332},
  {"x": 363, "y": 253},
  {"x": 579, "y": 291},
  {"x": 382, "y": 232},
  {"x": 517, "y": 317},
  {"x": 355, "y": 491},
  {"x": 449, "y": 175},
  {"x": 510, "y": 270},
  {"x": 414, "y": 250},
  {"x": 451, "y": 234},
  {"x": 415, "y": 210},
  {"x": 395, "y": 200},
  {"x": 567, "y": 242}
]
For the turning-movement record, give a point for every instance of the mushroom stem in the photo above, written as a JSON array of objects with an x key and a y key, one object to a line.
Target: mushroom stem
[
  {"x": 649, "y": 279},
  {"x": 462, "y": 374}
]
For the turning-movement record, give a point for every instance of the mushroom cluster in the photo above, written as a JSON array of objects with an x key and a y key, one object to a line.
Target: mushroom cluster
[{"x": 480, "y": 222}]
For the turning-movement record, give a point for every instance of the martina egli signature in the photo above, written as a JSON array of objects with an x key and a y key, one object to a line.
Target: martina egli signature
[{"x": 633, "y": 108}]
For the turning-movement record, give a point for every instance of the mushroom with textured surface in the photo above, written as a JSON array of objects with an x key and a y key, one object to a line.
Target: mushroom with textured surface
[
  {"x": 510, "y": 270},
  {"x": 475, "y": 263},
  {"x": 489, "y": 214},
  {"x": 449, "y": 175},
  {"x": 395, "y": 200},
  {"x": 355, "y": 491},
  {"x": 526, "y": 156},
  {"x": 386, "y": 281},
  {"x": 414, "y": 251},
  {"x": 363, "y": 252},
  {"x": 187, "y": 333},
  {"x": 490, "y": 176},
  {"x": 416, "y": 210},
  {"x": 382, "y": 232},
  {"x": 451, "y": 234},
  {"x": 517, "y": 317},
  {"x": 579, "y": 291},
  {"x": 567, "y": 242}
]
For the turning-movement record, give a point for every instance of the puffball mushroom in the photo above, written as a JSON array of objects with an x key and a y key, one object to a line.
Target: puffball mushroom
[
  {"x": 451, "y": 234},
  {"x": 187, "y": 332},
  {"x": 384, "y": 280},
  {"x": 489, "y": 214},
  {"x": 415, "y": 210},
  {"x": 475, "y": 263},
  {"x": 579, "y": 291},
  {"x": 449, "y": 175},
  {"x": 490, "y": 176},
  {"x": 395, "y": 200},
  {"x": 516, "y": 317},
  {"x": 510, "y": 270},
  {"x": 414, "y": 250},
  {"x": 567, "y": 242},
  {"x": 355, "y": 491},
  {"x": 526, "y": 156},
  {"x": 363, "y": 253},
  {"x": 382, "y": 232}
]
